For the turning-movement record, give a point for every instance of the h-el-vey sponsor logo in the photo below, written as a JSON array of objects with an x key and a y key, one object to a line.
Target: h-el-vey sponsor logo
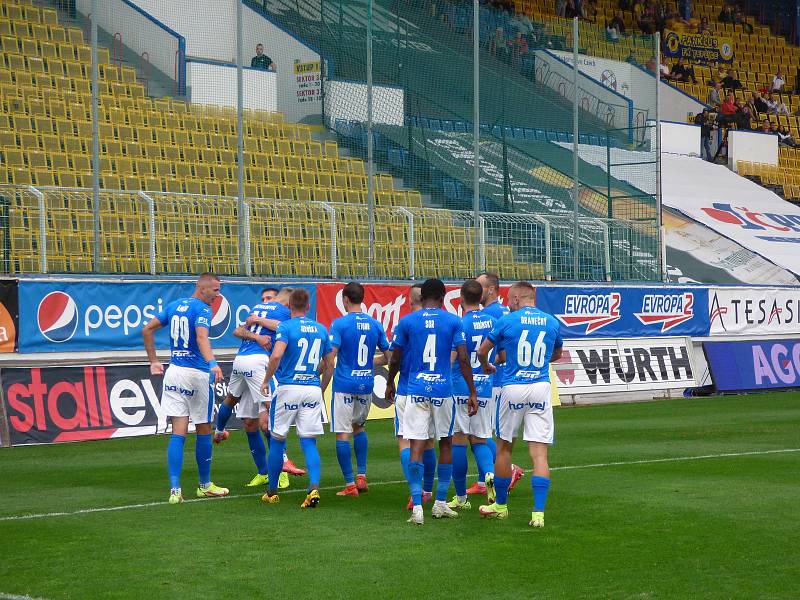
[{"x": 594, "y": 311}]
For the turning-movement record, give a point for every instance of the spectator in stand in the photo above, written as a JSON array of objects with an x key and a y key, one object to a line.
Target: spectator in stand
[
  {"x": 706, "y": 120},
  {"x": 664, "y": 71},
  {"x": 731, "y": 81},
  {"x": 780, "y": 107},
  {"x": 619, "y": 22},
  {"x": 738, "y": 19},
  {"x": 703, "y": 27},
  {"x": 726, "y": 14},
  {"x": 499, "y": 46},
  {"x": 760, "y": 102},
  {"x": 522, "y": 24},
  {"x": 727, "y": 111},
  {"x": 612, "y": 33},
  {"x": 561, "y": 8},
  {"x": 683, "y": 72},
  {"x": 745, "y": 116},
  {"x": 652, "y": 65},
  {"x": 772, "y": 104},
  {"x": 589, "y": 10},
  {"x": 685, "y": 9},
  {"x": 765, "y": 127},
  {"x": 751, "y": 104},
  {"x": 647, "y": 20},
  {"x": 715, "y": 95},
  {"x": 519, "y": 49},
  {"x": 261, "y": 61},
  {"x": 785, "y": 137},
  {"x": 778, "y": 82}
]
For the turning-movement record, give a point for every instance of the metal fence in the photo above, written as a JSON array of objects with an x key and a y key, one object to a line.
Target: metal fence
[
  {"x": 54, "y": 230},
  {"x": 407, "y": 138}
]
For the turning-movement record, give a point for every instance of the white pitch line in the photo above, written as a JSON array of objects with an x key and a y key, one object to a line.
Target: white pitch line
[
  {"x": 85, "y": 511},
  {"x": 17, "y": 597}
]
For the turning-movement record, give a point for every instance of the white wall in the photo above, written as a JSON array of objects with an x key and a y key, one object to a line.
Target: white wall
[
  {"x": 346, "y": 100},
  {"x": 216, "y": 84},
  {"x": 679, "y": 138},
  {"x": 753, "y": 147},
  {"x": 139, "y": 33},
  {"x": 209, "y": 27}
]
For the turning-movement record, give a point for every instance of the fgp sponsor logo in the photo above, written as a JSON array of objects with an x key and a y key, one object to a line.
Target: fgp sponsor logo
[
  {"x": 594, "y": 311},
  {"x": 757, "y": 221},
  {"x": 75, "y": 404},
  {"x": 57, "y": 317},
  {"x": 220, "y": 317},
  {"x": 668, "y": 310}
]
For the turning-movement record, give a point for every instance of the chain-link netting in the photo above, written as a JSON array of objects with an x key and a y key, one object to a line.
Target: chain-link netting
[{"x": 367, "y": 150}]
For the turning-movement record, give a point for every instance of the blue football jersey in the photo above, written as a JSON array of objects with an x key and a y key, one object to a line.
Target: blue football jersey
[
  {"x": 528, "y": 337},
  {"x": 497, "y": 311},
  {"x": 182, "y": 317},
  {"x": 356, "y": 335},
  {"x": 270, "y": 310},
  {"x": 477, "y": 325},
  {"x": 402, "y": 378},
  {"x": 306, "y": 343},
  {"x": 426, "y": 338}
]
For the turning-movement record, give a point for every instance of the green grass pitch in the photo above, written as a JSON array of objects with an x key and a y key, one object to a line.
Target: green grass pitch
[{"x": 691, "y": 498}]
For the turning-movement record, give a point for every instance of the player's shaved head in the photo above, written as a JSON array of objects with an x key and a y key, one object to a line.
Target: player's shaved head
[
  {"x": 433, "y": 290},
  {"x": 471, "y": 293},
  {"x": 415, "y": 296},
  {"x": 354, "y": 292},
  {"x": 490, "y": 283},
  {"x": 298, "y": 301},
  {"x": 207, "y": 287},
  {"x": 284, "y": 295},
  {"x": 521, "y": 294}
]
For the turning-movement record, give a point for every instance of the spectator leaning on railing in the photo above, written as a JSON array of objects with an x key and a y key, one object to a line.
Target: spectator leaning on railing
[{"x": 261, "y": 60}]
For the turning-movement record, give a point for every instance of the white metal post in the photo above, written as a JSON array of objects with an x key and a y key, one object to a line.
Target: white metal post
[
  {"x": 95, "y": 142},
  {"x": 42, "y": 229},
  {"x": 151, "y": 219},
  {"x": 575, "y": 149},
  {"x": 370, "y": 149},
  {"x": 476, "y": 123}
]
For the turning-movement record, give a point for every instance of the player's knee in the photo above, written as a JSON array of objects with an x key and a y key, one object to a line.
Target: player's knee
[
  {"x": 231, "y": 400},
  {"x": 277, "y": 438},
  {"x": 251, "y": 425}
]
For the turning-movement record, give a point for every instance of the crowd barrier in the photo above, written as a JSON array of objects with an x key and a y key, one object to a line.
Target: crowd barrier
[{"x": 618, "y": 339}]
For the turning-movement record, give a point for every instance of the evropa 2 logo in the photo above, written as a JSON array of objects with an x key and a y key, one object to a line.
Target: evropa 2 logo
[
  {"x": 669, "y": 310},
  {"x": 594, "y": 311}
]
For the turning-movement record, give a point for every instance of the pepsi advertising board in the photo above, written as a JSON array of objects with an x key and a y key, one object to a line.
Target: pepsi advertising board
[
  {"x": 626, "y": 312},
  {"x": 754, "y": 365},
  {"x": 70, "y": 316},
  {"x": 73, "y": 404}
]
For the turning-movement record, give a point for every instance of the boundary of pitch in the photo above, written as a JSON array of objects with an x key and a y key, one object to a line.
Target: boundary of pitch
[{"x": 86, "y": 511}]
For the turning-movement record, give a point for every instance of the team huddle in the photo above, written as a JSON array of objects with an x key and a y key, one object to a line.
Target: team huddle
[{"x": 460, "y": 380}]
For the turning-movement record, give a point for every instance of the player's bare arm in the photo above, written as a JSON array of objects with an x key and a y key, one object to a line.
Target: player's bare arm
[
  {"x": 272, "y": 365},
  {"x": 394, "y": 369},
  {"x": 466, "y": 371},
  {"x": 205, "y": 349},
  {"x": 326, "y": 369},
  {"x": 156, "y": 368},
  {"x": 382, "y": 359},
  {"x": 271, "y": 324},
  {"x": 556, "y": 354},
  {"x": 483, "y": 357},
  {"x": 243, "y": 333}
]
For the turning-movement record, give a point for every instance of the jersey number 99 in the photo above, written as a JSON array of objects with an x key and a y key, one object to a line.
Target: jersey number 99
[{"x": 179, "y": 331}]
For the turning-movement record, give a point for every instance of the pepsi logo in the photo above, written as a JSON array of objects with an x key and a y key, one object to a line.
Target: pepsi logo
[
  {"x": 220, "y": 317},
  {"x": 57, "y": 317}
]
